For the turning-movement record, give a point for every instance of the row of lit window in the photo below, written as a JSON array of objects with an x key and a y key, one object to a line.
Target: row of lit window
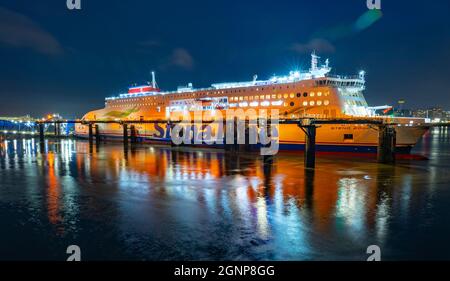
[
  {"x": 279, "y": 103},
  {"x": 339, "y": 83},
  {"x": 279, "y": 96},
  {"x": 263, "y": 103},
  {"x": 319, "y": 103},
  {"x": 170, "y": 96},
  {"x": 353, "y": 102},
  {"x": 134, "y": 99},
  {"x": 136, "y": 104},
  {"x": 247, "y": 98},
  {"x": 235, "y": 91},
  {"x": 356, "y": 95},
  {"x": 130, "y": 104}
]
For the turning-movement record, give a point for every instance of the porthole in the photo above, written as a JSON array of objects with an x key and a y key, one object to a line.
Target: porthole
[
  {"x": 292, "y": 103},
  {"x": 299, "y": 95},
  {"x": 305, "y": 94}
]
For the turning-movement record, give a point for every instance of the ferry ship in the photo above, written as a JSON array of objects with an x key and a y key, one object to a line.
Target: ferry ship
[{"x": 309, "y": 94}]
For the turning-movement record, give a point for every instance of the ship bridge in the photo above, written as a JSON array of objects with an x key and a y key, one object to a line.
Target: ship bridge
[
  {"x": 342, "y": 81},
  {"x": 350, "y": 90}
]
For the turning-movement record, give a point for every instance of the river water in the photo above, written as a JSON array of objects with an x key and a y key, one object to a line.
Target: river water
[{"x": 161, "y": 203}]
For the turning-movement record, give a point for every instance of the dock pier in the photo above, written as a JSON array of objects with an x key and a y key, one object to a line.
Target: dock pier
[{"x": 385, "y": 150}]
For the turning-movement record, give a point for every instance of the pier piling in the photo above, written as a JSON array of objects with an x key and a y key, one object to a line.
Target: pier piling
[
  {"x": 169, "y": 127},
  {"x": 247, "y": 145},
  {"x": 310, "y": 146},
  {"x": 387, "y": 140},
  {"x": 235, "y": 135},
  {"x": 97, "y": 134},
  {"x": 91, "y": 138},
  {"x": 226, "y": 146},
  {"x": 125, "y": 134},
  {"x": 133, "y": 134},
  {"x": 41, "y": 133},
  {"x": 267, "y": 158},
  {"x": 309, "y": 127}
]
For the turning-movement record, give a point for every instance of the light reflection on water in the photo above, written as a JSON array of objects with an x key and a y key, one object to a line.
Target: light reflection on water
[{"x": 150, "y": 202}]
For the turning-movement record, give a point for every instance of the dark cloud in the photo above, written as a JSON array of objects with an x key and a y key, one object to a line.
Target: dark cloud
[
  {"x": 17, "y": 30},
  {"x": 181, "y": 58},
  {"x": 317, "y": 44}
]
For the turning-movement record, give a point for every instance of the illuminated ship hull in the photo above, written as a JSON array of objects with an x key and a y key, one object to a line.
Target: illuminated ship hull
[
  {"x": 313, "y": 94},
  {"x": 330, "y": 138}
]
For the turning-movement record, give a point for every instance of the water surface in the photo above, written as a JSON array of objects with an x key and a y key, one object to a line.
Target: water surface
[{"x": 158, "y": 203}]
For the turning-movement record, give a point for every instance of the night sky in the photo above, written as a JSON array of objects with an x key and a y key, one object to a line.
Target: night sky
[{"x": 56, "y": 60}]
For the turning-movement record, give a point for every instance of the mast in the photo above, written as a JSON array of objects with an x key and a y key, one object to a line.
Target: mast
[
  {"x": 314, "y": 61},
  {"x": 153, "y": 80}
]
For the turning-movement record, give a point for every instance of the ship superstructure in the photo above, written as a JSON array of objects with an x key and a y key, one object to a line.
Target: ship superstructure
[{"x": 314, "y": 93}]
